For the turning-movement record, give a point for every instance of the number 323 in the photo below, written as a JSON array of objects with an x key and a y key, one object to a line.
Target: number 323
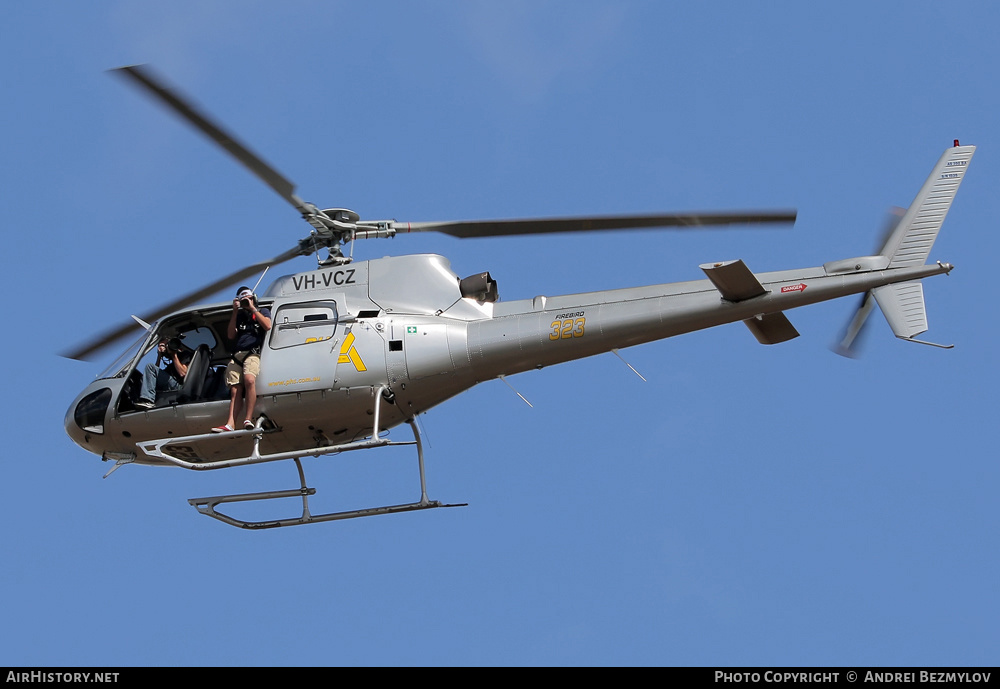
[{"x": 563, "y": 330}]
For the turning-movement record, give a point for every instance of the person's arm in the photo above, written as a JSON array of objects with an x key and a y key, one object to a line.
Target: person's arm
[
  {"x": 231, "y": 330},
  {"x": 262, "y": 319},
  {"x": 178, "y": 365}
]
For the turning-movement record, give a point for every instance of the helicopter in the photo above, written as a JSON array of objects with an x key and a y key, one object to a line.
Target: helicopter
[{"x": 356, "y": 348}]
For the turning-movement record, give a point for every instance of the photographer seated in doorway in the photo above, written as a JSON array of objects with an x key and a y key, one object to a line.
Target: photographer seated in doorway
[{"x": 156, "y": 379}]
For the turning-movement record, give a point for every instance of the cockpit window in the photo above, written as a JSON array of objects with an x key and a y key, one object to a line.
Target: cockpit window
[
  {"x": 303, "y": 323},
  {"x": 197, "y": 336}
]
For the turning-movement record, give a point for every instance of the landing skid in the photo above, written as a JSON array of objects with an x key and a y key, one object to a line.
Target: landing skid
[{"x": 207, "y": 506}]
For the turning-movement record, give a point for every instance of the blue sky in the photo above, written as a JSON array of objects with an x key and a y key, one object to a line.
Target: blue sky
[{"x": 748, "y": 505}]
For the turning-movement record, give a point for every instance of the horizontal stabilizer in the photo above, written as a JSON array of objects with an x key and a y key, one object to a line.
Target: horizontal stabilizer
[
  {"x": 772, "y": 328},
  {"x": 734, "y": 280},
  {"x": 736, "y": 283}
]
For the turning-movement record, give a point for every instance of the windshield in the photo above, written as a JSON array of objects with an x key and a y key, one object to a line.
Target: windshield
[{"x": 120, "y": 366}]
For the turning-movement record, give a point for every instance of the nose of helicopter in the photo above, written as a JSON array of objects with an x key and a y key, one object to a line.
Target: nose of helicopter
[{"x": 86, "y": 418}]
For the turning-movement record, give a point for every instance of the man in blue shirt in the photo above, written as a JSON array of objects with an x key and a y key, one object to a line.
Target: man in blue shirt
[{"x": 248, "y": 325}]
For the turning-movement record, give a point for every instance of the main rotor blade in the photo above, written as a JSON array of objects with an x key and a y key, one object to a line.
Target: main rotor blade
[
  {"x": 87, "y": 350},
  {"x": 466, "y": 229},
  {"x": 144, "y": 77}
]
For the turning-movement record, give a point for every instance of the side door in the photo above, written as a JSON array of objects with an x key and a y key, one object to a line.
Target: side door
[{"x": 301, "y": 349}]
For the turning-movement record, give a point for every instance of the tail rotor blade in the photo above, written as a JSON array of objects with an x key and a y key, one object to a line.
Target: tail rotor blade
[
  {"x": 851, "y": 340},
  {"x": 850, "y": 344},
  {"x": 892, "y": 219}
]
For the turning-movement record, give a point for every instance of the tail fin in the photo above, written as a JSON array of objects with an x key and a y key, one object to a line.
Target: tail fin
[
  {"x": 909, "y": 244},
  {"x": 911, "y": 241}
]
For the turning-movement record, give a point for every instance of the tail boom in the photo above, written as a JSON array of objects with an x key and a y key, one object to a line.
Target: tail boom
[{"x": 521, "y": 336}]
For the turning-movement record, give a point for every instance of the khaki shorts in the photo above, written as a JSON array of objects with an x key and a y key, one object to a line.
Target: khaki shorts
[{"x": 234, "y": 372}]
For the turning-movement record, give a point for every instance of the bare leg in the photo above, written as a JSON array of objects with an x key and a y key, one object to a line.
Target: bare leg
[
  {"x": 251, "y": 394},
  {"x": 235, "y": 404}
]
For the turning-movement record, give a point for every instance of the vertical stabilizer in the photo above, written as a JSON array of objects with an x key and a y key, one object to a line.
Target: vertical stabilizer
[{"x": 911, "y": 242}]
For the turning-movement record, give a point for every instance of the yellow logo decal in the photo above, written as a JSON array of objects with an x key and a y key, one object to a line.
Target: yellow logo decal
[{"x": 349, "y": 354}]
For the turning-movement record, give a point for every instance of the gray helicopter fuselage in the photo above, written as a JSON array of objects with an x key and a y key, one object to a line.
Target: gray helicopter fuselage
[
  {"x": 342, "y": 334},
  {"x": 355, "y": 349}
]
